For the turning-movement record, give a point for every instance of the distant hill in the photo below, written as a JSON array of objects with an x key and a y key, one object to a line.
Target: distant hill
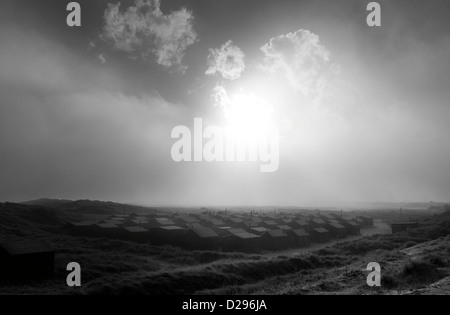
[
  {"x": 35, "y": 218},
  {"x": 18, "y": 221},
  {"x": 88, "y": 206},
  {"x": 45, "y": 202}
]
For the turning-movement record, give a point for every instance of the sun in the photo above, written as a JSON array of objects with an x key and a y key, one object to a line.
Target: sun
[{"x": 247, "y": 115}]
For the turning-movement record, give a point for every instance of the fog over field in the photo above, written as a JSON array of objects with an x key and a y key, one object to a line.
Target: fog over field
[{"x": 88, "y": 112}]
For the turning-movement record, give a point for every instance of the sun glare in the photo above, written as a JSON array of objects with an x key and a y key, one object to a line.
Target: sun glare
[{"x": 248, "y": 115}]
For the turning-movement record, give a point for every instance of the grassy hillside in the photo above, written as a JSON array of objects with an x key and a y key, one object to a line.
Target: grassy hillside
[
  {"x": 411, "y": 261},
  {"x": 88, "y": 206}
]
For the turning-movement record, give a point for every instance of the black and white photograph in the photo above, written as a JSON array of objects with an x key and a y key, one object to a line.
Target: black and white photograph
[{"x": 224, "y": 151}]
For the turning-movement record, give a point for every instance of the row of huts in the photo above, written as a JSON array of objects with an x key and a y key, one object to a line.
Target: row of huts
[{"x": 224, "y": 231}]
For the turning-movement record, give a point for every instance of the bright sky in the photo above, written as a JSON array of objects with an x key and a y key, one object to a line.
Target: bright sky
[{"x": 88, "y": 112}]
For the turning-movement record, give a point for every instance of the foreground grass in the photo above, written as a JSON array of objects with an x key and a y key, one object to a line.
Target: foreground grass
[{"x": 118, "y": 267}]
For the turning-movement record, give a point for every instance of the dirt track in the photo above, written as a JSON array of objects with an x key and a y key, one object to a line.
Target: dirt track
[{"x": 379, "y": 228}]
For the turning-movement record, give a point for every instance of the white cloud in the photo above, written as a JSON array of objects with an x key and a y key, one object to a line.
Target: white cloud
[
  {"x": 146, "y": 30},
  {"x": 301, "y": 58},
  {"x": 101, "y": 58},
  {"x": 228, "y": 61}
]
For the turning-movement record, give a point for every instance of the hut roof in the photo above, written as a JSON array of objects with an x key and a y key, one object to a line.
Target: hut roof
[
  {"x": 352, "y": 223},
  {"x": 300, "y": 232},
  {"x": 164, "y": 221},
  {"x": 141, "y": 218},
  {"x": 216, "y": 222},
  {"x": 171, "y": 228},
  {"x": 107, "y": 225},
  {"x": 236, "y": 231},
  {"x": 276, "y": 233},
  {"x": 26, "y": 247},
  {"x": 204, "y": 232},
  {"x": 113, "y": 222},
  {"x": 116, "y": 219},
  {"x": 236, "y": 220},
  {"x": 246, "y": 235},
  {"x": 135, "y": 229},
  {"x": 241, "y": 233},
  {"x": 337, "y": 226},
  {"x": 140, "y": 221},
  {"x": 188, "y": 219},
  {"x": 404, "y": 223},
  {"x": 260, "y": 229},
  {"x": 79, "y": 224}
]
